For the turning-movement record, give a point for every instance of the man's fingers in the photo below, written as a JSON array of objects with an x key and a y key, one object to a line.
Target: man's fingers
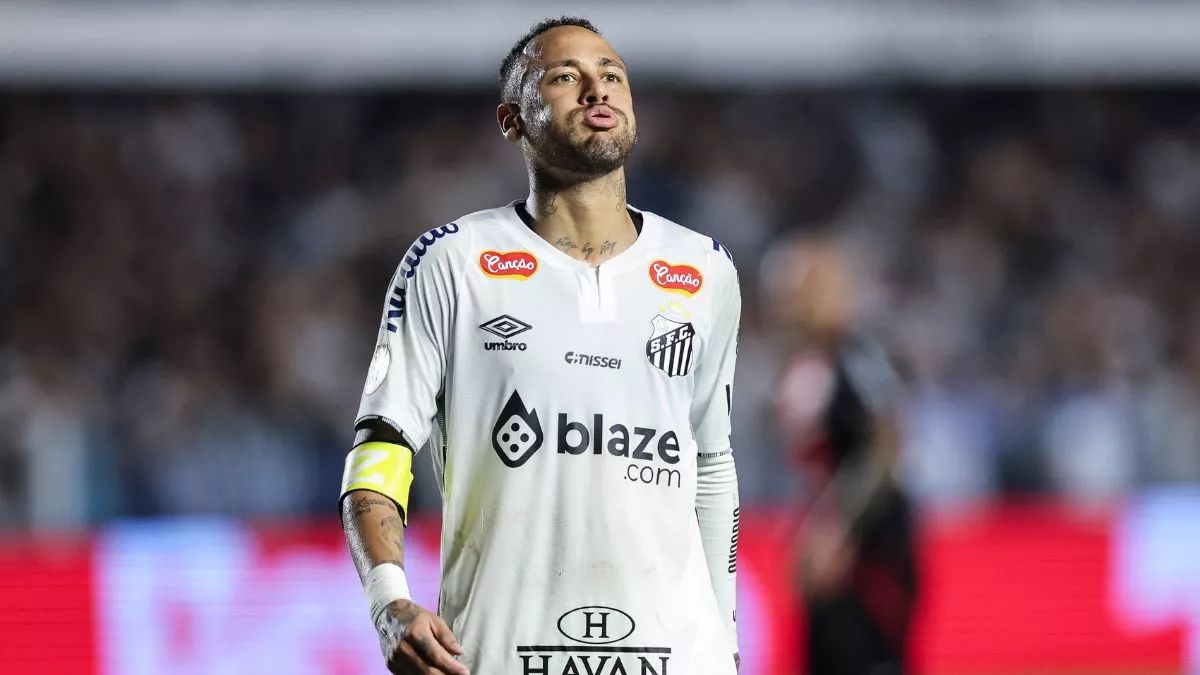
[
  {"x": 446, "y": 636},
  {"x": 432, "y": 652},
  {"x": 405, "y": 660},
  {"x": 426, "y": 648}
]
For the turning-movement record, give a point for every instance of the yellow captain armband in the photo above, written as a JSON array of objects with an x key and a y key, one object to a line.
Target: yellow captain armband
[{"x": 381, "y": 467}]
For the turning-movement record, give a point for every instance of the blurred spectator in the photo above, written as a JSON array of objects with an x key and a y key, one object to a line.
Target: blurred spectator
[{"x": 190, "y": 285}]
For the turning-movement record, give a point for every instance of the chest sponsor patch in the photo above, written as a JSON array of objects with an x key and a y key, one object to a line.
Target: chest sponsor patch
[
  {"x": 519, "y": 265},
  {"x": 682, "y": 279},
  {"x": 593, "y": 360},
  {"x": 608, "y": 646},
  {"x": 670, "y": 345}
]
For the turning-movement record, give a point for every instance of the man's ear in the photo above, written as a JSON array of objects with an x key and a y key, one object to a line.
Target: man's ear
[{"x": 508, "y": 116}]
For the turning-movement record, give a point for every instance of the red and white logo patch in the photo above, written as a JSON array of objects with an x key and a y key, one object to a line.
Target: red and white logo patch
[
  {"x": 683, "y": 279},
  {"x": 519, "y": 265}
]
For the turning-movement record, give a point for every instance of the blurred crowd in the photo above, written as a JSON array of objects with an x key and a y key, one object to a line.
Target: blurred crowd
[{"x": 190, "y": 285}]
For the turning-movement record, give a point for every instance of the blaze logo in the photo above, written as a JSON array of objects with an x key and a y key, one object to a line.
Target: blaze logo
[
  {"x": 649, "y": 455},
  {"x": 508, "y": 264},
  {"x": 517, "y": 434},
  {"x": 682, "y": 279}
]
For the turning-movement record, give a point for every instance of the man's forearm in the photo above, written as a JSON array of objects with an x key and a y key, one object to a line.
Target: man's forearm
[
  {"x": 858, "y": 488},
  {"x": 372, "y": 521},
  {"x": 413, "y": 639},
  {"x": 374, "y": 530},
  {"x": 718, "y": 511}
]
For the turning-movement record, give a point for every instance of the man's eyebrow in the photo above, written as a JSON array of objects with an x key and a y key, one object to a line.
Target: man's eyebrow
[
  {"x": 559, "y": 64},
  {"x": 574, "y": 63},
  {"x": 606, "y": 61}
]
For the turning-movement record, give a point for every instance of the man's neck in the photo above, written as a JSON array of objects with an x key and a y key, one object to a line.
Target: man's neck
[{"x": 588, "y": 220}]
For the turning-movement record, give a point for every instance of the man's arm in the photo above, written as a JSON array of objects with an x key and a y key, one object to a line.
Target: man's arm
[
  {"x": 395, "y": 416},
  {"x": 414, "y": 640},
  {"x": 718, "y": 512},
  {"x": 850, "y": 499},
  {"x": 844, "y": 504},
  {"x": 717, "y": 507},
  {"x": 372, "y": 521}
]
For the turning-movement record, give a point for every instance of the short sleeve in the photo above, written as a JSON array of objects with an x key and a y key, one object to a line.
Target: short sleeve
[
  {"x": 408, "y": 366},
  {"x": 713, "y": 399}
]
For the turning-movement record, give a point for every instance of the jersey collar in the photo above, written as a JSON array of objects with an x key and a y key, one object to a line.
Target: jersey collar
[{"x": 630, "y": 257}]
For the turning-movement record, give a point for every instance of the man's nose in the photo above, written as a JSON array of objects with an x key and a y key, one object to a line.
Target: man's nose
[{"x": 595, "y": 91}]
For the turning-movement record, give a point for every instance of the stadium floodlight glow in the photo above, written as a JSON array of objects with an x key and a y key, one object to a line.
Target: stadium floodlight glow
[{"x": 369, "y": 44}]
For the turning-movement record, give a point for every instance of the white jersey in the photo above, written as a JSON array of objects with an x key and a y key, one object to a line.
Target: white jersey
[{"x": 565, "y": 406}]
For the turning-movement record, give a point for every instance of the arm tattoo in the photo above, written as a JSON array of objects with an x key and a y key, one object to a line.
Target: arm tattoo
[
  {"x": 403, "y": 611},
  {"x": 393, "y": 530},
  {"x": 364, "y": 510},
  {"x": 364, "y": 505}
]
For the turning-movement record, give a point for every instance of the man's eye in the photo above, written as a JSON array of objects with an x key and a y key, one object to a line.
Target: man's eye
[
  {"x": 612, "y": 77},
  {"x": 565, "y": 77}
]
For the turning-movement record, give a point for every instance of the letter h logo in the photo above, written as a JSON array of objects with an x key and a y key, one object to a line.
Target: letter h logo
[{"x": 600, "y": 624}]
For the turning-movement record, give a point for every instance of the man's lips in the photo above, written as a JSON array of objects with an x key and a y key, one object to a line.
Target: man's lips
[{"x": 600, "y": 117}]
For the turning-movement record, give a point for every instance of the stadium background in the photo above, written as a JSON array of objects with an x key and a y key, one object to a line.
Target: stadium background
[{"x": 201, "y": 204}]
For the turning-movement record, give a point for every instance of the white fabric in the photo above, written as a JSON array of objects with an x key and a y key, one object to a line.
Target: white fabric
[
  {"x": 719, "y": 514},
  {"x": 385, "y": 584},
  {"x": 559, "y": 406}
]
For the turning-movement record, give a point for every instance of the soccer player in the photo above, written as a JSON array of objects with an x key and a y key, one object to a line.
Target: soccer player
[
  {"x": 568, "y": 360},
  {"x": 838, "y": 400}
]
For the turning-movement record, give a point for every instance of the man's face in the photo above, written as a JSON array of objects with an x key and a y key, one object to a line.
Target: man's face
[
  {"x": 810, "y": 290},
  {"x": 576, "y": 103}
]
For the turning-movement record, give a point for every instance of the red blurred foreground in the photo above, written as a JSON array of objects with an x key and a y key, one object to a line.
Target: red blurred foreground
[{"x": 1007, "y": 590}]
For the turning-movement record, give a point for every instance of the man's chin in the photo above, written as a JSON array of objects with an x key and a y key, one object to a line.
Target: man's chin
[
  {"x": 591, "y": 155},
  {"x": 605, "y": 149}
]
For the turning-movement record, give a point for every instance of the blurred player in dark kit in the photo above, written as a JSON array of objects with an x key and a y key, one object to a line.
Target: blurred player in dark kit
[{"x": 837, "y": 406}]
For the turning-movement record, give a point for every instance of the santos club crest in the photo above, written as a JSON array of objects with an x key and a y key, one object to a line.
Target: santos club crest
[{"x": 670, "y": 345}]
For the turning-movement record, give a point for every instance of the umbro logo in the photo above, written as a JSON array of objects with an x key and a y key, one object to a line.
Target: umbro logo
[{"x": 505, "y": 327}]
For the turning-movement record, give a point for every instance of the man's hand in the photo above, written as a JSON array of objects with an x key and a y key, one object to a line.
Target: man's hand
[
  {"x": 827, "y": 559},
  {"x": 416, "y": 641}
]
